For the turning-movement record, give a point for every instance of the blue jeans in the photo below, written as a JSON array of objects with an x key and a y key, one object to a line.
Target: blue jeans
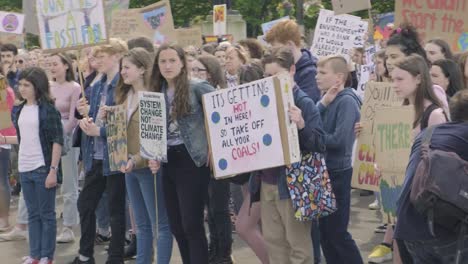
[
  {"x": 437, "y": 251},
  {"x": 337, "y": 244},
  {"x": 41, "y": 213},
  {"x": 4, "y": 182},
  {"x": 141, "y": 191}
]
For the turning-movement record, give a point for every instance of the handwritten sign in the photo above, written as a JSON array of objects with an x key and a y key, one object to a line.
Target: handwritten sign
[
  {"x": 154, "y": 21},
  {"x": 189, "y": 37},
  {"x": 248, "y": 123},
  {"x": 437, "y": 19},
  {"x": 5, "y": 114},
  {"x": 116, "y": 131},
  {"x": 153, "y": 133},
  {"x": 347, "y": 6},
  {"x": 365, "y": 72},
  {"x": 111, "y": 5},
  {"x": 337, "y": 34},
  {"x": 219, "y": 19},
  {"x": 364, "y": 173},
  {"x": 11, "y": 22},
  {"x": 268, "y": 25},
  {"x": 65, "y": 25},
  {"x": 369, "y": 54},
  {"x": 393, "y": 139}
]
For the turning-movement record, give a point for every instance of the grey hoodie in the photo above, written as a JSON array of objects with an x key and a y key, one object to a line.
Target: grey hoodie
[{"x": 338, "y": 120}]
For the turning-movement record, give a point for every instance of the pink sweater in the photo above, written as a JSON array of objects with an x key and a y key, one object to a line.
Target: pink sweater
[
  {"x": 10, "y": 131},
  {"x": 66, "y": 96}
]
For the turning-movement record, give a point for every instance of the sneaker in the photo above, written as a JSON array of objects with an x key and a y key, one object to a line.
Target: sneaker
[
  {"x": 29, "y": 260},
  {"x": 101, "y": 240},
  {"x": 78, "y": 261},
  {"x": 67, "y": 236},
  {"x": 15, "y": 234},
  {"x": 130, "y": 251},
  {"x": 45, "y": 261},
  {"x": 224, "y": 260},
  {"x": 381, "y": 229},
  {"x": 380, "y": 254},
  {"x": 375, "y": 205}
]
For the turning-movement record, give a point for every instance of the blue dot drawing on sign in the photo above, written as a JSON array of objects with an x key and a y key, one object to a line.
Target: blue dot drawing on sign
[
  {"x": 267, "y": 140},
  {"x": 222, "y": 164},
  {"x": 215, "y": 117},
  {"x": 265, "y": 100},
  {"x": 463, "y": 41}
]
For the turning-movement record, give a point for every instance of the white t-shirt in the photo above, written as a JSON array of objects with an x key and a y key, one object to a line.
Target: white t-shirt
[{"x": 30, "y": 150}]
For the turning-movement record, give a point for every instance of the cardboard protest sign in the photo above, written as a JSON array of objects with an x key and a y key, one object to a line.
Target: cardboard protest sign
[
  {"x": 189, "y": 37},
  {"x": 11, "y": 22},
  {"x": 116, "y": 131},
  {"x": 393, "y": 128},
  {"x": 364, "y": 173},
  {"x": 248, "y": 128},
  {"x": 437, "y": 19},
  {"x": 337, "y": 34},
  {"x": 153, "y": 133},
  {"x": 154, "y": 22},
  {"x": 5, "y": 114},
  {"x": 347, "y": 6},
  {"x": 112, "y": 5},
  {"x": 268, "y": 25},
  {"x": 65, "y": 25},
  {"x": 17, "y": 40},
  {"x": 219, "y": 19}
]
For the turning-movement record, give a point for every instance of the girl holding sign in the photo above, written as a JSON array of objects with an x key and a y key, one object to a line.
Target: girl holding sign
[
  {"x": 140, "y": 182},
  {"x": 186, "y": 174}
]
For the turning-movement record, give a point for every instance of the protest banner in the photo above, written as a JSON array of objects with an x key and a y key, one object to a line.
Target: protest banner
[
  {"x": 5, "y": 113},
  {"x": 364, "y": 173},
  {"x": 15, "y": 39},
  {"x": 447, "y": 20},
  {"x": 65, "y": 25},
  {"x": 219, "y": 19},
  {"x": 393, "y": 128},
  {"x": 189, "y": 37},
  {"x": 364, "y": 72},
  {"x": 112, "y": 5},
  {"x": 11, "y": 22},
  {"x": 153, "y": 133},
  {"x": 116, "y": 131},
  {"x": 347, "y": 6},
  {"x": 268, "y": 25},
  {"x": 248, "y": 123},
  {"x": 337, "y": 34},
  {"x": 153, "y": 21}
]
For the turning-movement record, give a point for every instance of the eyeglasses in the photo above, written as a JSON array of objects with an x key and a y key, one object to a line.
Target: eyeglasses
[
  {"x": 197, "y": 70},
  {"x": 20, "y": 61}
]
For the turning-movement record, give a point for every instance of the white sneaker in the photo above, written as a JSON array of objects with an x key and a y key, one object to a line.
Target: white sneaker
[
  {"x": 375, "y": 205},
  {"x": 66, "y": 236},
  {"x": 45, "y": 261},
  {"x": 28, "y": 260},
  {"x": 15, "y": 234}
]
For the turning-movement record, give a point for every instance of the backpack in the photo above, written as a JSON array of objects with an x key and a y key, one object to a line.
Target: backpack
[{"x": 440, "y": 189}]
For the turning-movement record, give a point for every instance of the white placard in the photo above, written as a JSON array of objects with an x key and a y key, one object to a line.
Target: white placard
[
  {"x": 219, "y": 20},
  {"x": 153, "y": 133},
  {"x": 365, "y": 72},
  {"x": 11, "y": 22}
]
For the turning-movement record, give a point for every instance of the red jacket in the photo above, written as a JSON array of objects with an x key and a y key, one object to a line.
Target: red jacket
[{"x": 10, "y": 131}]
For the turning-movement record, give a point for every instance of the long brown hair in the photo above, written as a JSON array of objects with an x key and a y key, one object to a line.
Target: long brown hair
[
  {"x": 182, "y": 82},
  {"x": 216, "y": 75},
  {"x": 66, "y": 60},
  {"x": 142, "y": 60},
  {"x": 417, "y": 66}
]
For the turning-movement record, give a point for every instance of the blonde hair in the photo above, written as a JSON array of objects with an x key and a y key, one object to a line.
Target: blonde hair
[
  {"x": 115, "y": 46},
  {"x": 337, "y": 63}
]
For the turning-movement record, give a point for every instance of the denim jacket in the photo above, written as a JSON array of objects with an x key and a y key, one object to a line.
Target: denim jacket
[
  {"x": 95, "y": 100},
  {"x": 311, "y": 139},
  {"x": 192, "y": 126}
]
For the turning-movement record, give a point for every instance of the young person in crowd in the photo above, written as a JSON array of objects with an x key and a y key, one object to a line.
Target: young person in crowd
[
  {"x": 438, "y": 49},
  {"x": 447, "y": 75},
  {"x": 220, "y": 54},
  {"x": 140, "y": 182},
  {"x": 40, "y": 138},
  {"x": 141, "y": 42},
  {"x": 186, "y": 174},
  {"x": 381, "y": 73},
  {"x": 339, "y": 109},
  {"x": 96, "y": 161},
  {"x": 8, "y": 53},
  {"x": 236, "y": 56},
  {"x": 287, "y": 33},
  {"x": 7, "y": 95},
  {"x": 66, "y": 93},
  {"x": 208, "y": 68},
  {"x": 287, "y": 239},
  {"x": 357, "y": 56},
  {"x": 463, "y": 64}
]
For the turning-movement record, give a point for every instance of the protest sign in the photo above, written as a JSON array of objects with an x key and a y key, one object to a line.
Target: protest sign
[
  {"x": 189, "y": 37},
  {"x": 248, "y": 123},
  {"x": 364, "y": 173},
  {"x": 11, "y": 22},
  {"x": 153, "y": 133},
  {"x": 347, "y": 6},
  {"x": 154, "y": 22},
  {"x": 5, "y": 113},
  {"x": 219, "y": 19},
  {"x": 364, "y": 72},
  {"x": 116, "y": 131},
  {"x": 17, "y": 40},
  {"x": 437, "y": 19},
  {"x": 268, "y": 25},
  {"x": 383, "y": 25},
  {"x": 112, "y": 5},
  {"x": 337, "y": 34},
  {"x": 369, "y": 54},
  {"x": 65, "y": 25},
  {"x": 393, "y": 128}
]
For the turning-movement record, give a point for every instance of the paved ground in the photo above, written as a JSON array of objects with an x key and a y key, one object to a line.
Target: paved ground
[{"x": 363, "y": 222}]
